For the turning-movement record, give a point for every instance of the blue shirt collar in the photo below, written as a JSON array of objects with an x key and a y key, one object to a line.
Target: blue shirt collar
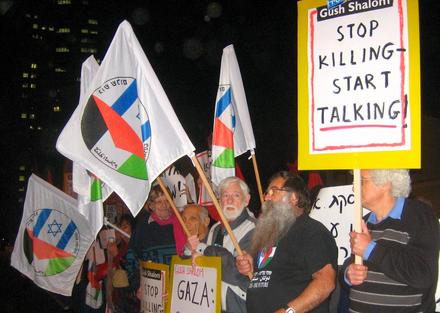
[{"x": 395, "y": 213}]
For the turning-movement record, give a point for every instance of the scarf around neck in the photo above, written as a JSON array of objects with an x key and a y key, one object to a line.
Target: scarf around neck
[{"x": 179, "y": 235}]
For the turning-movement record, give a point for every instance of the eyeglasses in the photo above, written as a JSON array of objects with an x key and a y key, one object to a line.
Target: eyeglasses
[{"x": 271, "y": 191}]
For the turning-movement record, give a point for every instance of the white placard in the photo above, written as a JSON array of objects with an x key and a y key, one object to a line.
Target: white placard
[
  {"x": 359, "y": 77},
  {"x": 334, "y": 207},
  {"x": 153, "y": 287},
  {"x": 194, "y": 289}
]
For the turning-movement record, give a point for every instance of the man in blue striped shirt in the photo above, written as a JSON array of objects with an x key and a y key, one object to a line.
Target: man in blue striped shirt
[{"x": 399, "y": 245}]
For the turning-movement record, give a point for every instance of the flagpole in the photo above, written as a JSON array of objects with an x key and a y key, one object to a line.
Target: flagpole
[
  {"x": 173, "y": 205},
  {"x": 357, "y": 207},
  {"x": 257, "y": 175}
]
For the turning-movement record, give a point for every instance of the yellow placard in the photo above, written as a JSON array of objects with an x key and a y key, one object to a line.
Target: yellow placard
[
  {"x": 156, "y": 286},
  {"x": 358, "y": 85},
  {"x": 196, "y": 289}
]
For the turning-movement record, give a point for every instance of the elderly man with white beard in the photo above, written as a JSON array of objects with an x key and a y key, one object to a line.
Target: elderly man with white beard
[
  {"x": 234, "y": 199},
  {"x": 293, "y": 258}
]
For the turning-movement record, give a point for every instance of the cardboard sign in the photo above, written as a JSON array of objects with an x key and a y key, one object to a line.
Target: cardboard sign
[
  {"x": 334, "y": 207},
  {"x": 196, "y": 289},
  {"x": 358, "y": 84},
  {"x": 177, "y": 185},
  {"x": 155, "y": 285}
]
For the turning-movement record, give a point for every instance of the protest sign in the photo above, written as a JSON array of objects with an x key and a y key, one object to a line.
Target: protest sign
[
  {"x": 195, "y": 289},
  {"x": 179, "y": 185},
  {"x": 155, "y": 284},
  {"x": 358, "y": 85},
  {"x": 334, "y": 207}
]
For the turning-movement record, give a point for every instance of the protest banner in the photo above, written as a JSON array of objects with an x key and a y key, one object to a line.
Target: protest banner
[
  {"x": 334, "y": 208},
  {"x": 195, "y": 289},
  {"x": 358, "y": 85},
  {"x": 155, "y": 285}
]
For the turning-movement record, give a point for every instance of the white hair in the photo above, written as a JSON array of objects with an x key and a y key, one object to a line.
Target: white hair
[
  {"x": 233, "y": 179},
  {"x": 399, "y": 179}
]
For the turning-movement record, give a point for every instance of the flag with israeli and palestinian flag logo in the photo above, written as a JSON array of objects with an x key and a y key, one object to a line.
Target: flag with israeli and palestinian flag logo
[
  {"x": 125, "y": 131},
  {"x": 232, "y": 134},
  {"x": 91, "y": 191},
  {"x": 53, "y": 238}
]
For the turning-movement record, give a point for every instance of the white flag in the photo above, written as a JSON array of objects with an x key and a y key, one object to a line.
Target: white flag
[
  {"x": 126, "y": 131},
  {"x": 91, "y": 191},
  {"x": 53, "y": 238},
  {"x": 233, "y": 134}
]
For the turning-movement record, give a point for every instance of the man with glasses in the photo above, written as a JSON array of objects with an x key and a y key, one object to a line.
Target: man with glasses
[
  {"x": 293, "y": 258},
  {"x": 234, "y": 199}
]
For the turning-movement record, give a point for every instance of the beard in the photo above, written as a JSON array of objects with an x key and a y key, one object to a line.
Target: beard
[
  {"x": 232, "y": 215},
  {"x": 273, "y": 224}
]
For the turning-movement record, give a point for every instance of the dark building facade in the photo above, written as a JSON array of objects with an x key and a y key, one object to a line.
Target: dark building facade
[{"x": 44, "y": 44}]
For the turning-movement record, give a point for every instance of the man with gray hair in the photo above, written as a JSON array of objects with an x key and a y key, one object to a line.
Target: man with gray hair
[
  {"x": 399, "y": 245},
  {"x": 293, "y": 258},
  {"x": 234, "y": 199}
]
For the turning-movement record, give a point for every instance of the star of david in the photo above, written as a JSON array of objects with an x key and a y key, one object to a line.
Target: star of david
[{"x": 54, "y": 228}]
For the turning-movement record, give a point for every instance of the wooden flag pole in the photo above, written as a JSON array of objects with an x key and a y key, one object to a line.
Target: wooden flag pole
[
  {"x": 357, "y": 208},
  {"x": 173, "y": 205},
  {"x": 257, "y": 176}
]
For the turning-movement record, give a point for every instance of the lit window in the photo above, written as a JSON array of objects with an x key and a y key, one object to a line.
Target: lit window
[
  {"x": 51, "y": 28},
  {"x": 43, "y": 27},
  {"x": 25, "y": 85},
  {"x": 84, "y": 31},
  {"x": 56, "y": 108},
  {"x": 33, "y": 86},
  {"x": 87, "y": 40},
  {"x": 62, "y": 49},
  {"x": 63, "y": 30},
  {"x": 89, "y": 50},
  {"x": 31, "y": 116},
  {"x": 25, "y": 75},
  {"x": 22, "y": 168},
  {"x": 63, "y": 2},
  {"x": 35, "y": 26},
  {"x": 33, "y": 76},
  {"x": 59, "y": 70},
  {"x": 23, "y": 115},
  {"x": 33, "y": 65},
  {"x": 94, "y": 32},
  {"x": 39, "y": 128},
  {"x": 21, "y": 178},
  {"x": 92, "y": 22}
]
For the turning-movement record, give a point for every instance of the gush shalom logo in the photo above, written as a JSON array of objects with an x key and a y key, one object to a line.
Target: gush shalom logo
[
  {"x": 50, "y": 242},
  {"x": 341, "y": 8},
  {"x": 116, "y": 128}
]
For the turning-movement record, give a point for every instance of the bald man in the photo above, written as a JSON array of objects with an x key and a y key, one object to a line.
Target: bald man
[{"x": 196, "y": 219}]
